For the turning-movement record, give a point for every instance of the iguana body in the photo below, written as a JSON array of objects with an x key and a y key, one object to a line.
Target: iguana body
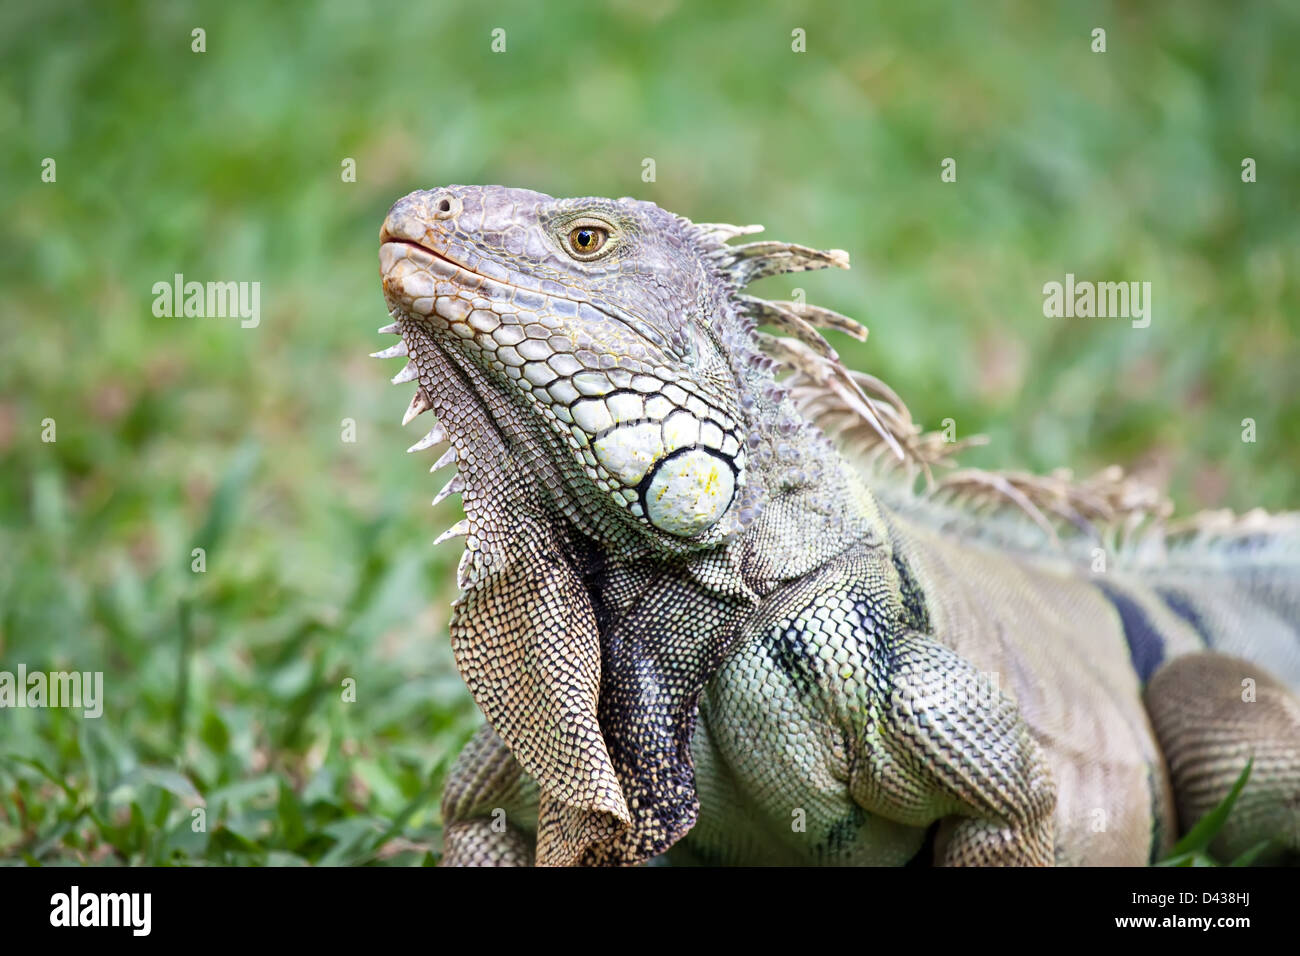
[{"x": 695, "y": 626}]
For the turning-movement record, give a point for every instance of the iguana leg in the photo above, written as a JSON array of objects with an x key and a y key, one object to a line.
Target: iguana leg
[
  {"x": 475, "y": 843},
  {"x": 1212, "y": 713},
  {"x": 489, "y": 807},
  {"x": 953, "y": 746}
]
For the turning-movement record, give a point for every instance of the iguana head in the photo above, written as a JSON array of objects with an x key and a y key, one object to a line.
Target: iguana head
[
  {"x": 609, "y": 401},
  {"x": 601, "y": 320}
]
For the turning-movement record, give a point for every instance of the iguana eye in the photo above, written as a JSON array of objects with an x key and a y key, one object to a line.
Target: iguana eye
[{"x": 586, "y": 241}]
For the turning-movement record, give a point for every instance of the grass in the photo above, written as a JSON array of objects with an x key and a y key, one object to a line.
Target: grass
[
  {"x": 1193, "y": 849},
  {"x": 225, "y": 688}
]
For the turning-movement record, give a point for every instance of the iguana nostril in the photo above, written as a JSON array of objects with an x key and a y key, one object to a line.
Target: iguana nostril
[{"x": 445, "y": 207}]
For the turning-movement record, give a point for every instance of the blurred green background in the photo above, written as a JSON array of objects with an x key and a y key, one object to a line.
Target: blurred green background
[{"x": 225, "y": 688}]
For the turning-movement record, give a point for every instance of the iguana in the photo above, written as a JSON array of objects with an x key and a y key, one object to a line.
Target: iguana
[{"x": 715, "y": 603}]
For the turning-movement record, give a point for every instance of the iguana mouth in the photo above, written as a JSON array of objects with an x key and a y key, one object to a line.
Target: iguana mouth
[
  {"x": 386, "y": 239},
  {"x": 422, "y": 255}
]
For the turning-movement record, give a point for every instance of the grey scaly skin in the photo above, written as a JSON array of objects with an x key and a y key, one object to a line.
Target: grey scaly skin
[{"x": 693, "y": 624}]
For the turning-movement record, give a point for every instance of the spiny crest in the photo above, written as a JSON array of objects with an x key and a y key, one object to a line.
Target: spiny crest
[
  {"x": 869, "y": 419},
  {"x": 1223, "y": 528},
  {"x": 421, "y": 403},
  {"x": 1108, "y": 506},
  {"x": 851, "y": 404},
  {"x": 803, "y": 349}
]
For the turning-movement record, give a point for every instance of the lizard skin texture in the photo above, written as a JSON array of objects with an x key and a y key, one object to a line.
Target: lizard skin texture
[{"x": 707, "y": 612}]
